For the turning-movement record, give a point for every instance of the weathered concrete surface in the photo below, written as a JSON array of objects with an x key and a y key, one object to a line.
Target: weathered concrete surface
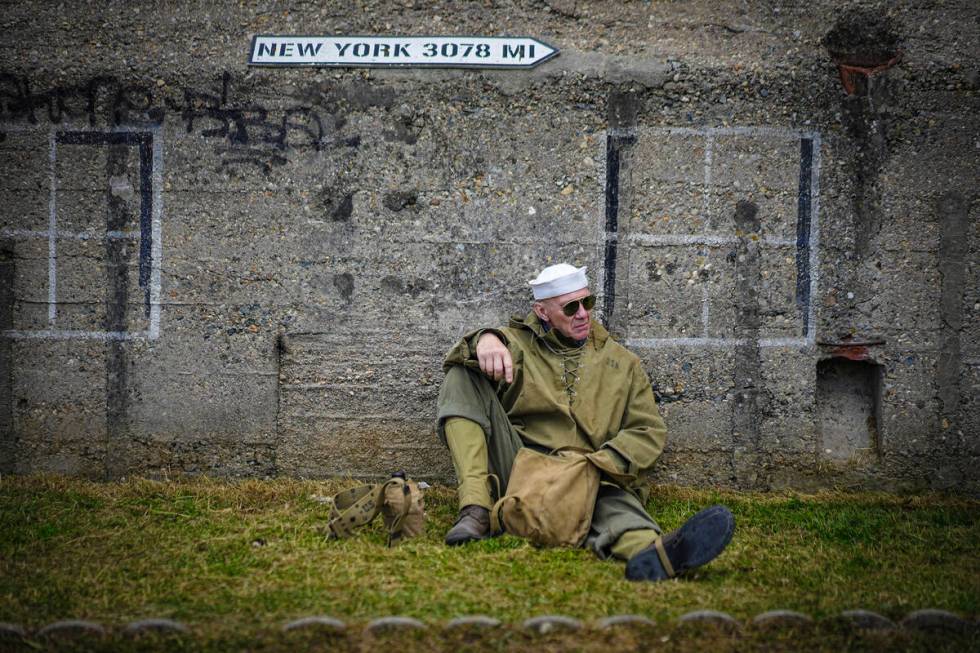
[{"x": 257, "y": 271}]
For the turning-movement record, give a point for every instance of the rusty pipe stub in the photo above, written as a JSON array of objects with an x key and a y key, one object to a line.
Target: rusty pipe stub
[
  {"x": 850, "y": 73},
  {"x": 855, "y": 350}
]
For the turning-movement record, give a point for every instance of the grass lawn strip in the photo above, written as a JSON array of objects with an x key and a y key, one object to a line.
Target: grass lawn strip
[{"x": 236, "y": 561}]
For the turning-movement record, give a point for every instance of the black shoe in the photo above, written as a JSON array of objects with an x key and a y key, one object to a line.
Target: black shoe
[
  {"x": 472, "y": 524},
  {"x": 699, "y": 541}
]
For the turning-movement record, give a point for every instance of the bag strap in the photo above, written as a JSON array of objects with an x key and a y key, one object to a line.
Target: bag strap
[
  {"x": 395, "y": 530},
  {"x": 354, "y": 508},
  {"x": 496, "y": 525},
  {"x": 496, "y": 484},
  {"x": 359, "y": 506},
  {"x": 662, "y": 554}
]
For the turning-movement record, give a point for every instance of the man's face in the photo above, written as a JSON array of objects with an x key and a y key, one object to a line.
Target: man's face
[{"x": 576, "y": 326}]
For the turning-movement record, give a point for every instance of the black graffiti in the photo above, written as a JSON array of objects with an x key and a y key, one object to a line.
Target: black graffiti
[
  {"x": 242, "y": 132},
  {"x": 250, "y": 133},
  {"x": 102, "y": 96}
]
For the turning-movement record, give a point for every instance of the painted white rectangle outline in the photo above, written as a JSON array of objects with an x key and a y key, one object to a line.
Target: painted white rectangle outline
[
  {"x": 707, "y": 240},
  {"x": 52, "y": 234}
]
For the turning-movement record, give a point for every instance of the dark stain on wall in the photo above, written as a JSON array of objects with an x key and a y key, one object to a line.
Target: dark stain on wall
[
  {"x": 118, "y": 256},
  {"x": 748, "y": 382},
  {"x": 953, "y": 218},
  {"x": 344, "y": 283},
  {"x": 622, "y": 111},
  {"x": 341, "y": 208},
  {"x": 412, "y": 287},
  {"x": 8, "y": 446},
  {"x": 398, "y": 200}
]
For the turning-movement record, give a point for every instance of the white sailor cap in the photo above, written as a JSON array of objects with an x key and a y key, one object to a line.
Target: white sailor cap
[{"x": 557, "y": 280}]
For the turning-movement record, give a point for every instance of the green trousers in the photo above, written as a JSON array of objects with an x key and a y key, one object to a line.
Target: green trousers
[{"x": 620, "y": 524}]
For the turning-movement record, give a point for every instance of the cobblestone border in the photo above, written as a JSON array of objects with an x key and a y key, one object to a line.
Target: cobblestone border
[
  {"x": 932, "y": 621},
  {"x": 625, "y": 620},
  {"x": 385, "y": 624},
  {"x": 9, "y": 632},
  {"x": 72, "y": 628},
  {"x": 866, "y": 620},
  {"x": 318, "y": 621},
  {"x": 474, "y": 621},
  {"x": 550, "y": 623},
  {"x": 713, "y": 618},
  {"x": 161, "y": 626},
  {"x": 782, "y": 618}
]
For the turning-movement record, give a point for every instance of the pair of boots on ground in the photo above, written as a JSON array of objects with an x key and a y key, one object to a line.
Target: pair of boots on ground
[{"x": 697, "y": 542}]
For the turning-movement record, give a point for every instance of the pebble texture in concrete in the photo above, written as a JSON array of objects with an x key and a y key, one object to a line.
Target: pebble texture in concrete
[{"x": 210, "y": 268}]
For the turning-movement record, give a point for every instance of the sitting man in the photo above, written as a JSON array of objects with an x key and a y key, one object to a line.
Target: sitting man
[{"x": 555, "y": 379}]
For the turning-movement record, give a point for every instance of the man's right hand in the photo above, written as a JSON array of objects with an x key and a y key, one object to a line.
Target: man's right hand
[{"x": 494, "y": 357}]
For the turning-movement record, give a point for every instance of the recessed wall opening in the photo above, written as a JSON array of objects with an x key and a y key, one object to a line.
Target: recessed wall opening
[{"x": 848, "y": 408}]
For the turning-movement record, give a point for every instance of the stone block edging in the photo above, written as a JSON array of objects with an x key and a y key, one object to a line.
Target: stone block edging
[
  {"x": 11, "y": 632},
  {"x": 72, "y": 628},
  {"x": 625, "y": 620},
  {"x": 931, "y": 621},
  {"x": 315, "y": 622},
  {"x": 934, "y": 620},
  {"x": 162, "y": 626},
  {"x": 711, "y": 617},
  {"x": 866, "y": 620},
  {"x": 777, "y": 618},
  {"x": 473, "y": 621},
  {"x": 549, "y": 623},
  {"x": 393, "y": 623}
]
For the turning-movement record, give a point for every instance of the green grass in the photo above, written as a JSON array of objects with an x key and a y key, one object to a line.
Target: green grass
[{"x": 235, "y": 561}]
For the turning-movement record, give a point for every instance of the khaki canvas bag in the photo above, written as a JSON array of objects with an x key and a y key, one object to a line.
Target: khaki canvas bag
[
  {"x": 399, "y": 500},
  {"x": 550, "y": 498}
]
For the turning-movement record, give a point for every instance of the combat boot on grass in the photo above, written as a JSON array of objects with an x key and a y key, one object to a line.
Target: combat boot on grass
[
  {"x": 472, "y": 524},
  {"x": 697, "y": 542}
]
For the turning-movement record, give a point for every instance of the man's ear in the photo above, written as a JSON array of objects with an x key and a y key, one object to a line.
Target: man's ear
[{"x": 538, "y": 309}]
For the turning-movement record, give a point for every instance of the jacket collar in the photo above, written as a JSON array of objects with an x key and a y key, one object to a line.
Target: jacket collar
[{"x": 597, "y": 333}]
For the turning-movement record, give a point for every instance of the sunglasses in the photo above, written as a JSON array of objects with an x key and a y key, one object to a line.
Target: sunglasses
[{"x": 571, "y": 308}]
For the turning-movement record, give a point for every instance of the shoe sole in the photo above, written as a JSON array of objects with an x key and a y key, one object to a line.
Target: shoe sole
[
  {"x": 464, "y": 540},
  {"x": 697, "y": 542}
]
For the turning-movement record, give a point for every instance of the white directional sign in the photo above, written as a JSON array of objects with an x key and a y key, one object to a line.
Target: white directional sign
[{"x": 432, "y": 51}]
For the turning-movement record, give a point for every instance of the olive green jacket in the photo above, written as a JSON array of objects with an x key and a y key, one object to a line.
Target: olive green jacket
[{"x": 613, "y": 412}]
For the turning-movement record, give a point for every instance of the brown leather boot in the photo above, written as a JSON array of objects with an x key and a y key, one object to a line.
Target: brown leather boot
[{"x": 472, "y": 524}]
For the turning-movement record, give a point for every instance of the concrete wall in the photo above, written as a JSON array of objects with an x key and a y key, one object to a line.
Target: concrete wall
[{"x": 208, "y": 268}]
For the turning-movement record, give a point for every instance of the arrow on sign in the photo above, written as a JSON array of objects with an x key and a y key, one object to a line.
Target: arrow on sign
[{"x": 411, "y": 51}]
